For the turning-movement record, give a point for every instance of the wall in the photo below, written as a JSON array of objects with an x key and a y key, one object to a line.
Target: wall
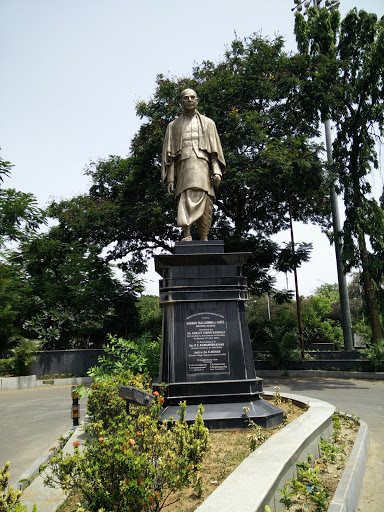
[{"x": 76, "y": 362}]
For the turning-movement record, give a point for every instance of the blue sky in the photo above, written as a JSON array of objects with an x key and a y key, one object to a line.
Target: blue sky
[{"x": 72, "y": 72}]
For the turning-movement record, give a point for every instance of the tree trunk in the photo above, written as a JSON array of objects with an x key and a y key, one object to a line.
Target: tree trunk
[
  {"x": 367, "y": 281},
  {"x": 369, "y": 292}
]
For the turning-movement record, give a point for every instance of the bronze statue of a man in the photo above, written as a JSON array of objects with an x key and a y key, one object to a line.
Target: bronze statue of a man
[{"x": 192, "y": 165}]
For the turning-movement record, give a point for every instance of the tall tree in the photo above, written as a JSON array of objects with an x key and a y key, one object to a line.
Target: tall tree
[
  {"x": 359, "y": 117},
  {"x": 70, "y": 296},
  {"x": 271, "y": 158},
  {"x": 20, "y": 215},
  {"x": 345, "y": 82}
]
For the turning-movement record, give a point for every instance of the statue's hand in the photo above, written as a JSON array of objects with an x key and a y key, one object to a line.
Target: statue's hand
[
  {"x": 171, "y": 187},
  {"x": 217, "y": 180}
]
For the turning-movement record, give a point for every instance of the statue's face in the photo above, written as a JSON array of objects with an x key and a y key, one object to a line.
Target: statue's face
[{"x": 189, "y": 100}]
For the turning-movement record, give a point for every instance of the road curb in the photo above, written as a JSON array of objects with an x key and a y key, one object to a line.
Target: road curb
[
  {"x": 50, "y": 499},
  {"x": 30, "y": 381},
  {"x": 24, "y": 480},
  {"x": 268, "y": 468},
  {"x": 321, "y": 373},
  {"x": 346, "y": 497}
]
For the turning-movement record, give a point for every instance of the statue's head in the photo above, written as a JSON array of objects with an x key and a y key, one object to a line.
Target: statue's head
[{"x": 189, "y": 100}]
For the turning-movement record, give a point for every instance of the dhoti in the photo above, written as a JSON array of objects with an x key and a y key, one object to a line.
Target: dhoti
[{"x": 195, "y": 206}]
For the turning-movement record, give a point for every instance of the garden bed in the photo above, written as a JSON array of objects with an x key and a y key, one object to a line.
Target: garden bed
[{"x": 228, "y": 449}]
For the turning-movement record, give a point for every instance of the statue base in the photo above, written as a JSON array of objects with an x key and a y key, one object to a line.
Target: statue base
[{"x": 206, "y": 355}]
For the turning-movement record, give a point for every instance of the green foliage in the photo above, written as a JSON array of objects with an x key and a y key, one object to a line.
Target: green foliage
[
  {"x": 23, "y": 354},
  {"x": 286, "y": 497},
  {"x": 9, "y": 298},
  {"x": 150, "y": 315},
  {"x": 132, "y": 463},
  {"x": 68, "y": 295},
  {"x": 283, "y": 346},
  {"x": 320, "y": 312},
  {"x": 330, "y": 452},
  {"x": 257, "y": 437},
  {"x": 19, "y": 215},
  {"x": 5, "y": 366},
  {"x": 271, "y": 161},
  {"x": 345, "y": 66},
  {"x": 104, "y": 401},
  {"x": 10, "y": 497},
  {"x": 5, "y": 168},
  {"x": 139, "y": 356},
  {"x": 375, "y": 354}
]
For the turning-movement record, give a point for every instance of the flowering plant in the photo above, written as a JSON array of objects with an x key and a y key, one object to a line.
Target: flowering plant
[{"x": 131, "y": 462}]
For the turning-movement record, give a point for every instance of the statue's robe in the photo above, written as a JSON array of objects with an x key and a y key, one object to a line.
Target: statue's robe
[{"x": 192, "y": 154}]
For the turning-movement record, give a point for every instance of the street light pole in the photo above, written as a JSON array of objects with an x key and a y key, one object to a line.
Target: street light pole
[{"x": 342, "y": 280}]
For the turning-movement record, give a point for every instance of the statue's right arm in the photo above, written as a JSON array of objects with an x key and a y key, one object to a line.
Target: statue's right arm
[{"x": 170, "y": 180}]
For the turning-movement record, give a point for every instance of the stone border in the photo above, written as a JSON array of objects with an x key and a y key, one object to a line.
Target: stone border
[
  {"x": 26, "y": 478},
  {"x": 71, "y": 381},
  {"x": 50, "y": 499},
  {"x": 321, "y": 373},
  {"x": 255, "y": 482},
  {"x": 30, "y": 381},
  {"x": 346, "y": 497}
]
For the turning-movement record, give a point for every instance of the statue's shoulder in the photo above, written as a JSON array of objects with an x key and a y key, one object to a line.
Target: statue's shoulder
[
  {"x": 206, "y": 120},
  {"x": 176, "y": 120}
]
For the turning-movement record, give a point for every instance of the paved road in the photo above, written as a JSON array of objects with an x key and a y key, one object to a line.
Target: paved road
[
  {"x": 31, "y": 420},
  {"x": 362, "y": 398}
]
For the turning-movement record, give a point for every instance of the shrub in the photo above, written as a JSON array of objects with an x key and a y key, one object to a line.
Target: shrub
[
  {"x": 5, "y": 366},
  {"x": 140, "y": 356},
  {"x": 23, "y": 355},
  {"x": 132, "y": 462},
  {"x": 9, "y": 497},
  {"x": 104, "y": 402},
  {"x": 283, "y": 346},
  {"x": 375, "y": 354},
  {"x": 150, "y": 315}
]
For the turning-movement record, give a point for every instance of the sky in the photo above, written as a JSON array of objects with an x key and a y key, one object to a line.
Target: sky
[{"x": 72, "y": 72}]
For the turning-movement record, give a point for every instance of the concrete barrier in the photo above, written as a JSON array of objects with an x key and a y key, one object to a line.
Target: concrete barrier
[
  {"x": 255, "y": 482},
  {"x": 28, "y": 381}
]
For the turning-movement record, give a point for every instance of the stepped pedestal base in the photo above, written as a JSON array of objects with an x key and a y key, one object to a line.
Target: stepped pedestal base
[{"x": 206, "y": 354}]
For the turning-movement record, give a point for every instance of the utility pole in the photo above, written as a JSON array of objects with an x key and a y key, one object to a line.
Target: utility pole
[{"x": 342, "y": 280}]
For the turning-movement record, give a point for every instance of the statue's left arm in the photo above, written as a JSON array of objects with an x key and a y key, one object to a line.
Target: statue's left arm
[{"x": 217, "y": 157}]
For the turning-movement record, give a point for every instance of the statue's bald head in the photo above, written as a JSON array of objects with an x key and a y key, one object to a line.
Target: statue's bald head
[
  {"x": 189, "y": 101},
  {"x": 188, "y": 92}
]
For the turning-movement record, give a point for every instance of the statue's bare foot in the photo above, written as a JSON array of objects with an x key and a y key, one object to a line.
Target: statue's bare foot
[{"x": 187, "y": 239}]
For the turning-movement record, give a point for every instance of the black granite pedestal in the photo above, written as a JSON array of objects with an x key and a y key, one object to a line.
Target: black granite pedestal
[{"x": 206, "y": 355}]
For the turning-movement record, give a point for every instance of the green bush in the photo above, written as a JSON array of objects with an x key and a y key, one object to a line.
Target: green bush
[
  {"x": 283, "y": 346},
  {"x": 131, "y": 462},
  {"x": 10, "y": 497},
  {"x": 150, "y": 315},
  {"x": 375, "y": 354},
  {"x": 5, "y": 366},
  {"x": 140, "y": 356},
  {"x": 104, "y": 401},
  {"x": 23, "y": 355}
]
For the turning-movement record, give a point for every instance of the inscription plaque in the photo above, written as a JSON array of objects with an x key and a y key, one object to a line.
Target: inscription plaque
[{"x": 207, "y": 344}]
